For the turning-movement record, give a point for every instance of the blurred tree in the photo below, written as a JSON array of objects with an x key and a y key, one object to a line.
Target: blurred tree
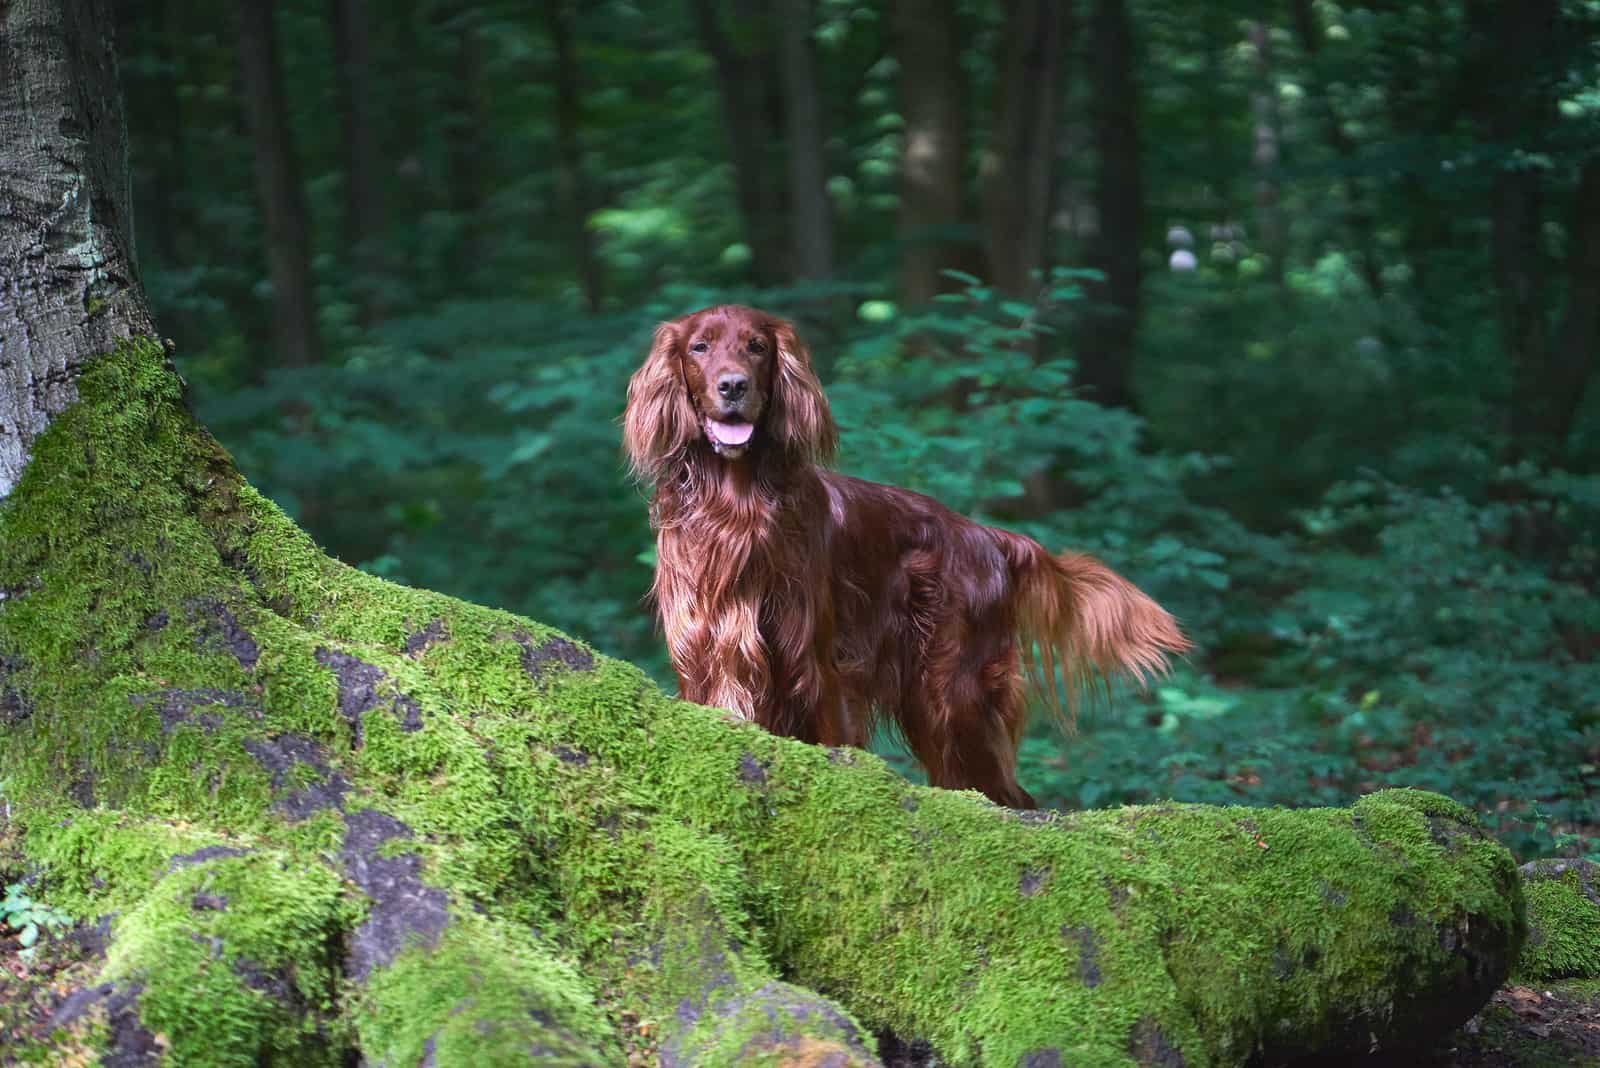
[
  {"x": 285, "y": 218},
  {"x": 1264, "y": 113},
  {"x": 741, "y": 51},
  {"x": 467, "y": 131},
  {"x": 933, "y": 105},
  {"x": 1108, "y": 329},
  {"x": 358, "y": 126},
  {"x": 577, "y": 197},
  {"x": 1524, "y": 50},
  {"x": 811, "y": 224},
  {"x": 1017, "y": 173}
]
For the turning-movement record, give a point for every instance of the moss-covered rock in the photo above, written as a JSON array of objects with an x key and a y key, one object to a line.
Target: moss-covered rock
[
  {"x": 324, "y": 812},
  {"x": 1563, "y": 921}
]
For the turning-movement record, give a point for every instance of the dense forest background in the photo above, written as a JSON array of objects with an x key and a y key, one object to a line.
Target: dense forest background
[{"x": 1288, "y": 310}]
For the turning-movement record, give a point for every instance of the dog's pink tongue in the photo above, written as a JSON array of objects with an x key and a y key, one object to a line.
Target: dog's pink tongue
[{"x": 731, "y": 433}]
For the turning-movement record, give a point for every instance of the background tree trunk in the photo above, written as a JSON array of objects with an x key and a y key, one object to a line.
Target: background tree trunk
[
  {"x": 363, "y": 190},
  {"x": 467, "y": 141},
  {"x": 811, "y": 224},
  {"x": 1573, "y": 360},
  {"x": 571, "y": 175},
  {"x": 1108, "y": 334},
  {"x": 744, "y": 64},
  {"x": 1273, "y": 228},
  {"x": 1515, "y": 44},
  {"x": 286, "y": 225},
  {"x": 933, "y": 156},
  {"x": 1018, "y": 169}
]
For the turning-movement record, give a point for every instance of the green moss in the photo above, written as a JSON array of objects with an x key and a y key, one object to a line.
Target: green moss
[
  {"x": 582, "y": 822},
  {"x": 1564, "y": 922},
  {"x": 239, "y": 961},
  {"x": 489, "y": 994}
]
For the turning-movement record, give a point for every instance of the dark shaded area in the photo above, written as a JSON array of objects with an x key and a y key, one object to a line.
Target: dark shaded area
[
  {"x": 130, "y": 1044},
  {"x": 13, "y": 709}
]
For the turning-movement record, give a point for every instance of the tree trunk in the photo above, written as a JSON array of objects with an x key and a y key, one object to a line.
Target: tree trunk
[
  {"x": 571, "y": 175},
  {"x": 363, "y": 191},
  {"x": 466, "y": 141},
  {"x": 933, "y": 157},
  {"x": 1273, "y": 228},
  {"x": 811, "y": 225},
  {"x": 325, "y": 820},
  {"x": 1108, "y": 335},
  {"x": 1573, "y": 359},
  {"x": 744, "y": 65},
  {"x": 286, "y": 226},
  {"x": 1515, "y": 51},
  {"x": 68, "y": 289},
  {"x": 1018, "y": 169}
]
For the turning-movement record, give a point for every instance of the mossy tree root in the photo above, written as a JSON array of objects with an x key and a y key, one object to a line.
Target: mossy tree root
[
  {"x": 465, "y": 832},
  {"x": 1563, "y": 921}
]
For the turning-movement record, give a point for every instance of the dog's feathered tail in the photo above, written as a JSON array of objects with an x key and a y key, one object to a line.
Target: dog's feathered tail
[{"x": 1079, "y": 623}]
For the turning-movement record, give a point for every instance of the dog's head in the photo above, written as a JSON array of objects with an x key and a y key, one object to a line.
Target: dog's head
[{"x": 730, "y": 379}]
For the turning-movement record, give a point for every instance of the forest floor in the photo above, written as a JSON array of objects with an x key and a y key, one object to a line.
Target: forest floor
[{"x": 1521, "y": 1027}]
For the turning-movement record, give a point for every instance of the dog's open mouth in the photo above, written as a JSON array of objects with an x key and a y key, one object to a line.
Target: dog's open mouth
[{"x": 730, "y": 437}]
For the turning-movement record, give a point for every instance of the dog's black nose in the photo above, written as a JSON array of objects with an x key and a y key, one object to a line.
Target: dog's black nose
[{"x": 733, "y": 387}]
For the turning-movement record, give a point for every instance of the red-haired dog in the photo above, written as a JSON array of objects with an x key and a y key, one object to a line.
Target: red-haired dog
[{"x": 814, "y": 603}]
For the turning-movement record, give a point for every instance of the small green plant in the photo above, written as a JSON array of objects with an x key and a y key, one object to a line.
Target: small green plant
[{"x": 30, "y": 918}]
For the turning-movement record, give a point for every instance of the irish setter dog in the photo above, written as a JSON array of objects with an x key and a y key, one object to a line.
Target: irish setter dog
[{"x": 815, "y": 604}]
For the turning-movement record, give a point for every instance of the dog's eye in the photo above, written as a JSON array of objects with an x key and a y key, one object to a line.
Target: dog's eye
[
  {"x": 756, "y": 345},
  {"x": 699, "y": 347}
]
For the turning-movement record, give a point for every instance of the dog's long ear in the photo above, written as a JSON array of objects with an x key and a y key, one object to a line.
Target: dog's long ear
[
  {"x": 659, "y": 422},
  {"x": 800, "y": 421}
]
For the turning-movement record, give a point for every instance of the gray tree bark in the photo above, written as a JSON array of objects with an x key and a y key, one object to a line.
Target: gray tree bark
[{"x": 66, "y": 235}]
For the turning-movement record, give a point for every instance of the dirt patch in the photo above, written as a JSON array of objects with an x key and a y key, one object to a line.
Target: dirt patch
[
  {"x": 220, "y": 632},
  {"x": 362, "y": 687},
  {"x": 419, "y": 642},
  {"x": 280, "y": 754},
  {"x": 404, "y": 909},
  {"x": 537, "y": 660},
  {"x": 176, "y": 707},
  {"x": 1524, "y": 1027},
  {"x": 200, "y": 856}
]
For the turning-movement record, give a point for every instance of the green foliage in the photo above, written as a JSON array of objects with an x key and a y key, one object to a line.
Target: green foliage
[
  {"x": 29, "y": 918},
  {"x": 1319, "y": 479}
]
